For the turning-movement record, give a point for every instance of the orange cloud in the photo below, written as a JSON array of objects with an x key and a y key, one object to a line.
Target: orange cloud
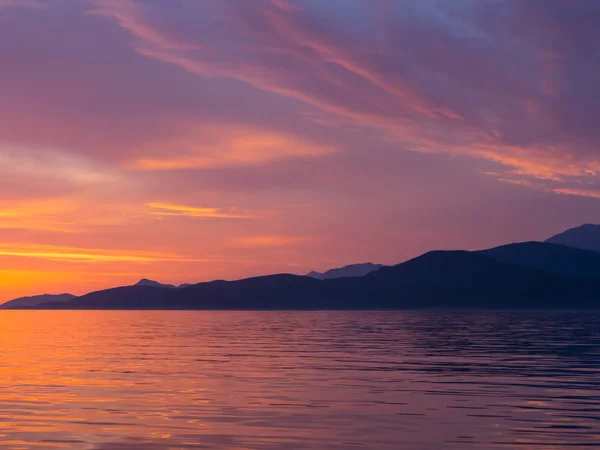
[
  {"x": 19, "y": 209},
  {"x": 47, "y": 215},
  {"x": 165, "y": 209},
  {"x": 64, "y": 215},
  {"x": 541, "y": 162},
  {"x": 216, "y": 146},
  {"x": 74, "y": 254},
  {"x": 578, "y": 192}
]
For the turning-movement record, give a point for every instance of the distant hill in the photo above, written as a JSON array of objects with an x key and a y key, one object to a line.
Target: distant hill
[
  {"x": 552, "y": 258},
  {"x": 353, "y": 270},
  {"x": 152, "y": 283},
  {"x": 36, "y": 300},
  {"x": 585, "y": 236},
  {"x": 441, "y": 279}
]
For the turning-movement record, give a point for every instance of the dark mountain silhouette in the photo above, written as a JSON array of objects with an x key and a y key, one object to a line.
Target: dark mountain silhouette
[
  {"x": 585, "y": 236},
  {"x": 451, "y": 279},
  {"x": 152, "y": 283},
  {"x": 441, "y": 279},
  {"x": 353, "y": 270},
  {"x": 36, "y": 300},
  {"x": 552, "y": 258},
  {"x": 523, "y": 275}
]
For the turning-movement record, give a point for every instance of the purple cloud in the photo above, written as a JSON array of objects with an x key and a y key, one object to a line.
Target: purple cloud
[{"x": 459, "y": 77}]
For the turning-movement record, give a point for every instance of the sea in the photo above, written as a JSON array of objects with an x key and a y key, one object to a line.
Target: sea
[{"x": 146, "y": 380}]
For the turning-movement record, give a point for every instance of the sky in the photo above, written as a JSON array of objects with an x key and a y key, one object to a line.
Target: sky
[{"x": 187, "y": 140}]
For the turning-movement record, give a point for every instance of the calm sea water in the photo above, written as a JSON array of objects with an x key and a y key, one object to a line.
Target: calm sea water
[{"x": 299, "y": 380}]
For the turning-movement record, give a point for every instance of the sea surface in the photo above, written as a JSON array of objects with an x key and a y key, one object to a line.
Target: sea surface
[{"x": 299, "y": 380}]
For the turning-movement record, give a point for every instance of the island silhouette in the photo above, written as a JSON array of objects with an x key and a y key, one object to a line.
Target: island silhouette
[{"x": 534, "y": 275}]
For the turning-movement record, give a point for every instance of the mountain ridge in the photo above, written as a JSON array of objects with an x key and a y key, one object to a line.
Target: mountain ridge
[
  {"x": 520, "y": 275},
  {"x": 586, "y": 236},
  {"x": 152, "y": 283},
  {"x": 553, "y": 258},
  {"x": 36, "y": 300},
  {"x": 350, "y": 270},
  {"x": 437, "y": 279}
]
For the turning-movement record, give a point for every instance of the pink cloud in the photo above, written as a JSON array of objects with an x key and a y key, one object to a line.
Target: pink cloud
[{"x": 412, "y": 77}]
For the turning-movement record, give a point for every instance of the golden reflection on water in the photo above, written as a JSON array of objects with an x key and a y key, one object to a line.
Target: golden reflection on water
[{"x": 280, "y": 380}]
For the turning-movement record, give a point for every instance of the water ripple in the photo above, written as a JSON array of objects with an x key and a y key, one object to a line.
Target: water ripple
[{"x": 299, "y": 380}]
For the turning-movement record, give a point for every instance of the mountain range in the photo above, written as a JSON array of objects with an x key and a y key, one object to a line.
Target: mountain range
[
  {"x": 521, "y": 275},
  {"x": 585, "y": 236},
  {"x": 352, "y": 270},
  {"x": 152, "y": 283},
  {"x": 26, "y": 302}
]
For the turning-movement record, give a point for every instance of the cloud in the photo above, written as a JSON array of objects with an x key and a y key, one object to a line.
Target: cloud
[
  {"x": 58, "y": 253},
  {"x": 43, "y": 215},
  {"x": 124, "y": 10},
  {"x": 578, "y": 192},
  {"x": 76, "y": 214},
  {"x": 52, "y": 164},
  {"x": 217, "y": 146},
  {"x": 21, "y": 209},
  {"x": 165, "y": 209},
  {"x": 463, "y": 77}
]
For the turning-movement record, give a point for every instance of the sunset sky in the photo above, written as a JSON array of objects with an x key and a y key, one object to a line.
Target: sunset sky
[{"x": 188, "y": 140}]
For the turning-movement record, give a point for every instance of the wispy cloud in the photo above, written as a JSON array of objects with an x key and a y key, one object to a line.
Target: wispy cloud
[
  {"x": 379, "y": 75},
  {"x": 52, "y": 164},
  {"x": 46, "y": 215},
  {"x": 74, "y": 254},
  {"x": 166, "y": 209},
  {"x": 270, "y": 241},
  {"x": 216, "y": 146},
  {"x": 124, "y": 10},
  {"x": 578, "y": 192}
]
